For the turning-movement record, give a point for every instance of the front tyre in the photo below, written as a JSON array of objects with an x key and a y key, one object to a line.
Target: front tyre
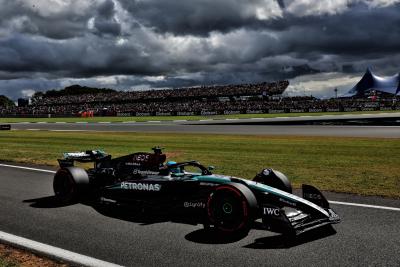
[
  {"x": 275, "y": 179},
  {"x": 231, "y": 208},
  {"x": 70, "y": 184}
]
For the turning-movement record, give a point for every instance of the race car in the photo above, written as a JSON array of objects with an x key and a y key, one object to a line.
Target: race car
[{"x": 229, "y": 205}]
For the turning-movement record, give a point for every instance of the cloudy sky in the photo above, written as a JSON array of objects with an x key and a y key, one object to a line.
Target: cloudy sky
[{"x": 137, "y": 44}]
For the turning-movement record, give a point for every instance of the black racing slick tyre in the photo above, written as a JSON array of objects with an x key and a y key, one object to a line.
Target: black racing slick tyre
[
  {"x": 70, "y": 184},
  {"x": 231, "y": 209}
]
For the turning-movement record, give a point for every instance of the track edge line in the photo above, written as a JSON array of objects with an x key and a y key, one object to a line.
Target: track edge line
[{"x": 52, "y": 252}]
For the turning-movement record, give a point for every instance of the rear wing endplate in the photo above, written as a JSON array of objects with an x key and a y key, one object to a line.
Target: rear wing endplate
[{"x": 87, "y": 156}]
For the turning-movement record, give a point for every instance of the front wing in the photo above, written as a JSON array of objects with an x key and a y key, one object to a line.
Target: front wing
[{"x": 298, "y": 215}]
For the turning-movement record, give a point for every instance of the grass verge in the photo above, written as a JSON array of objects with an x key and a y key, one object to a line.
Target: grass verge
[
  {"x": 6, "y": 263},
  {"x": 14, "y": 257},
  {"x": 169, "y": 118},
  {"x": 367, "y": 166}
]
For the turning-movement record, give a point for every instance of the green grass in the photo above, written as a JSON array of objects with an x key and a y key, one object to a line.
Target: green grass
[
  {"x": 367, "y": 166},
  {"x": 167, "y": 118},
  {"x": 6, "y": 263}
]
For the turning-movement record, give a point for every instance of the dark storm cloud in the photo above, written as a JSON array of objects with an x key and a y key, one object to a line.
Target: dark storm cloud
[
  {"x": 191, "y": 42},
  {"x": 281, "y": 3},
  {"x": 75, "y": 58},
  {"x": 105, "y": 22},
  {"x": 106, "y": 9},
  {"x": 45, "y": 19},
  {"x": 199, "y": 17},
  {"x": 107, "y": 27},
  {"x": 355, "y": 32},
  {"x": 56, "y": 22}
]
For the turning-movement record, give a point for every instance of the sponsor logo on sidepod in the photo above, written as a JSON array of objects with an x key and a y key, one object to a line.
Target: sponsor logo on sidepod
[{"x": 141, "y": 186}]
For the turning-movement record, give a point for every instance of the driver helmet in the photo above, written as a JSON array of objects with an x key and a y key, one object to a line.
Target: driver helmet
[
  {"x": 171, "y": 163},
  {"x": 173, "y": 168}
]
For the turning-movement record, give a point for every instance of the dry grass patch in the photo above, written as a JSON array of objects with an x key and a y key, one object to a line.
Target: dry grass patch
[
  {"x": 367, "y": 166},
  {"x": 12, "y": 257}
]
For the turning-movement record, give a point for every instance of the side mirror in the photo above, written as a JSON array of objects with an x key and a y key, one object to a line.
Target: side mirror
[{"x": 210, "y": 168}]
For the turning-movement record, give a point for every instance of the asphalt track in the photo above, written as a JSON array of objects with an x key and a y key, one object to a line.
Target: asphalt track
[
  {"x": 171, "y": 127},
  {"x": 366, "y": 236},
  {"x": 252, "y": 126}
]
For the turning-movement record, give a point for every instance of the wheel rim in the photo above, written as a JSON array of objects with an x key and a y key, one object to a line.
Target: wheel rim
[{"x": 227, "y": 209}]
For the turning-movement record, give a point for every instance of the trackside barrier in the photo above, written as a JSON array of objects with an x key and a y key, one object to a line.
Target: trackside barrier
[
  {"x": 5, "y": 127},
  {"x": 210, "y": 112}
]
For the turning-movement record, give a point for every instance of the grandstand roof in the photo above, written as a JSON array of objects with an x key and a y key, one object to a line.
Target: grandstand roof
[{"x": 371, "y": 81}]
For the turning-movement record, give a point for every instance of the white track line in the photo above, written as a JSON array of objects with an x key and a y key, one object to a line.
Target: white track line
[
  {"x": 332, "y": 202},
  {"x": 364, "y": 205},
  {"x": 26, "y": 168},
  {"x": 69, "y": 130},
  {"x": 62, "y": 254}
]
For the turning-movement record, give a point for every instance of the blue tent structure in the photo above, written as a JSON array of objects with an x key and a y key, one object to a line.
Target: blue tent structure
[{"x": 370, "y": 81}]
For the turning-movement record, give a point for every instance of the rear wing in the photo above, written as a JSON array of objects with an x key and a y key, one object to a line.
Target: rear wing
[{"x": 87, "y": 156}]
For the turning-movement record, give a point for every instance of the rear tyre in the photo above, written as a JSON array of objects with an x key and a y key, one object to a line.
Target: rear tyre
[
  {"x": 231, "y": 209},
  {"x": 70, "y": 184}
]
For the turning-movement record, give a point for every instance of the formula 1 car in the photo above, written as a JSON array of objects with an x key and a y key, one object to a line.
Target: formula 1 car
[{"x": 227, "y": 204}]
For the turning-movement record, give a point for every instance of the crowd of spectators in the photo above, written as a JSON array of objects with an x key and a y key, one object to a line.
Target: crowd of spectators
[
  {"x": 254, "y": 105},
  {"x": 245, "y": 98},
  {"x": 156, "y": 94}
]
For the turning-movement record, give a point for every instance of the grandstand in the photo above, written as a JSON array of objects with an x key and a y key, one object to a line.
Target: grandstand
[
  {"x": 191, "y": 93},
  {"x": 181, "y": 101},
  {"x": 206, "y": 100}
]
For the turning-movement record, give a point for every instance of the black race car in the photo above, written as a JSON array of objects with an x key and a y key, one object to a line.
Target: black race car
[{"x": 227, "y": 204}]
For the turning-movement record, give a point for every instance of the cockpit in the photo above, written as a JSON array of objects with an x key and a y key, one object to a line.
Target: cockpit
[{"x": 184, "y": 170}]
